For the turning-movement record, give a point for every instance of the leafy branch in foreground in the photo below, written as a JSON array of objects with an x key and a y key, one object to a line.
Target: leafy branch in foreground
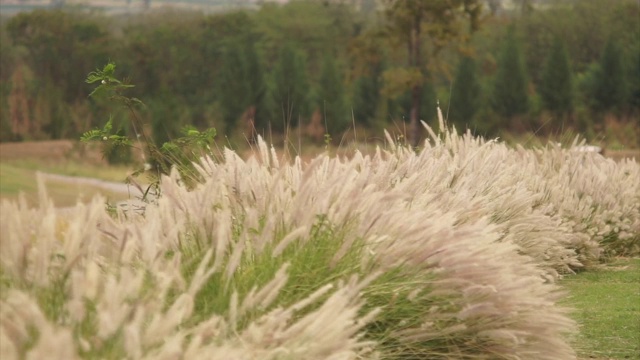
[{"x": 181, "y": 152}]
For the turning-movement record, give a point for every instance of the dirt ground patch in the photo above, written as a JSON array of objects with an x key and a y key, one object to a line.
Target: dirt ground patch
[
  {"x": 54, "y": 149},
  {"x": 618, "y": 155}
]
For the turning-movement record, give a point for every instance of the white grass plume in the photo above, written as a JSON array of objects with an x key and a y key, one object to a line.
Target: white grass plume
[{"x": 467, "y": 236}]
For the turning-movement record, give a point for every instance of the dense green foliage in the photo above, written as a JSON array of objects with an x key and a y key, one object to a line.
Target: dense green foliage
[
  {"x": 425, "y": 28},
  {"x": 609, "y": 90},
  {"x": 331, "y": 97},
  {"x": 291, "y": 90},
  {"x": 263, "y": 68},
  {"x": 465, "y": 94},
  {"x": 556, "y": 88},
  {"x": 510, "y": 97}
]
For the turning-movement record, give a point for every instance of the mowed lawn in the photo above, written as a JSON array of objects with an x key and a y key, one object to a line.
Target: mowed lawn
[
  {"x": 607, "y": 308},
  {"x": 20, "y": 162},
  {"x": 16, "y": 179}
]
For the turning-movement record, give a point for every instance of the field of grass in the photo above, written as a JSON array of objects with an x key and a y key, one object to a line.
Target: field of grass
[
  {"x": 16, "y": 178},
  {"x": 73, "y": 168},
  {"x": 20, "y": 162},
  {"x": 455, "y": 251},
  {"x": 607, "y": 309}
]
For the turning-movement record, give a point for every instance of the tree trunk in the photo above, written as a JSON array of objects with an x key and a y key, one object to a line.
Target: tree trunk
[
  {"x": 414, "y": 115},
  {"x": 416, "y": 90}
]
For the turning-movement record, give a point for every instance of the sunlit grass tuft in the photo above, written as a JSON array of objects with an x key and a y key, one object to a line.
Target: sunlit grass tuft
[{"x": 454, "y": 251}]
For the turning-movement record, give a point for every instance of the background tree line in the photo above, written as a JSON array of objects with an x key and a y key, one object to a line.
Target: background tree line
[{"x": 319, "y": 67}]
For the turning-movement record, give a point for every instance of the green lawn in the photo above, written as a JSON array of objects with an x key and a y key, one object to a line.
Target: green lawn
[
  {"x": 607, "y": 307},
  {"x": 73, "y": 168},
  {"x": 16, "y": 178}
]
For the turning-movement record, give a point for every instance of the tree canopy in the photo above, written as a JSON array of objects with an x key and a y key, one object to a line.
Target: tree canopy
[
  {"x": 267, "y": 68},
  {"x": 510, "y": 97}
]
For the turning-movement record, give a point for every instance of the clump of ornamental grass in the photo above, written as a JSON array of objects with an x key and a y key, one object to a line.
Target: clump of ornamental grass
[
  {"x": 122, "y": 294},
  {"x": 598, "y": 197},
  {"x": 451, "y": 252},
  {"x": 582, "y": 201},
  {"x": 480, "y": 179}
]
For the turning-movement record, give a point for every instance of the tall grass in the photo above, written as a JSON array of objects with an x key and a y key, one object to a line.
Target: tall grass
[{"x": 450, "y": 252}]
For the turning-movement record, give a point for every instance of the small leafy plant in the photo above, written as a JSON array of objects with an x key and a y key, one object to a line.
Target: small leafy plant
[{"x": 180, "y": 153}]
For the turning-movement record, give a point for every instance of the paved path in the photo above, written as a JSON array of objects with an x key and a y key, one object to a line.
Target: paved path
[
  {"x": 134, "y": 194},
  {"x": 116, "y": 187}
]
